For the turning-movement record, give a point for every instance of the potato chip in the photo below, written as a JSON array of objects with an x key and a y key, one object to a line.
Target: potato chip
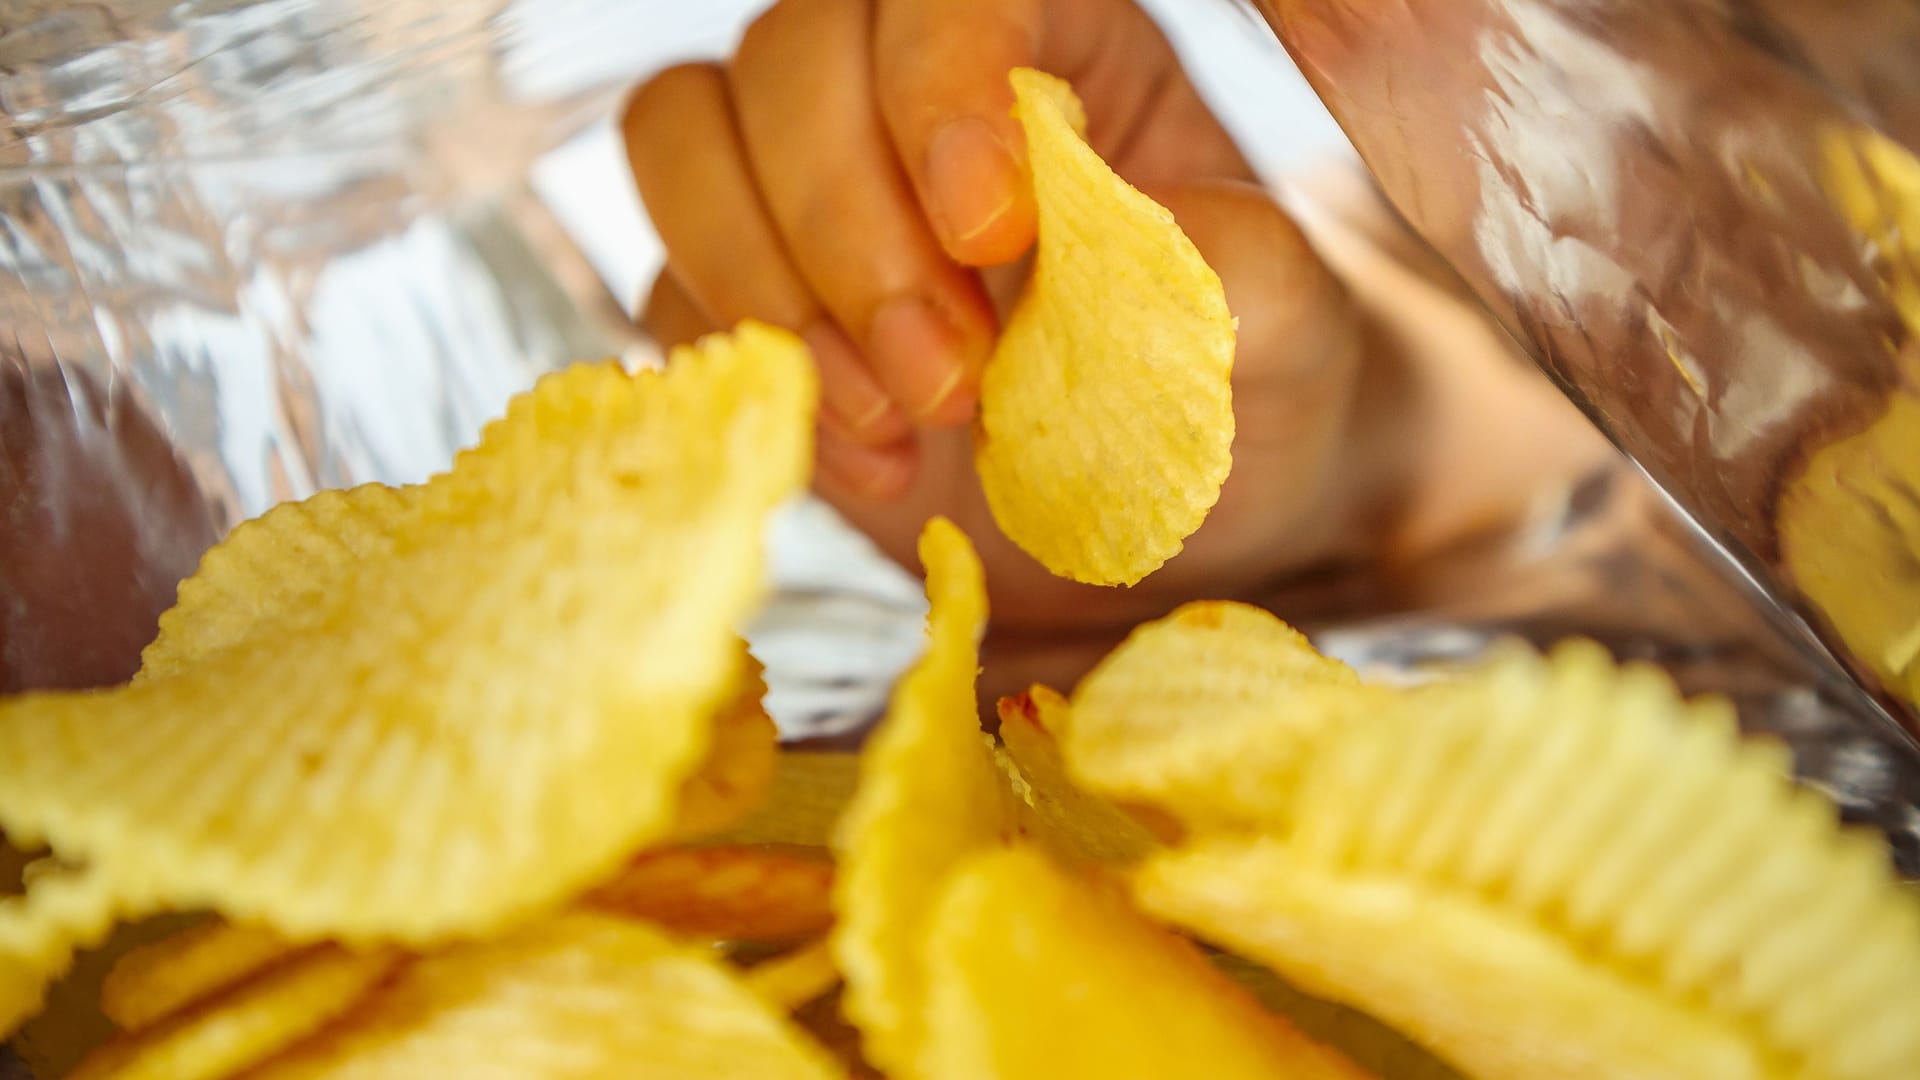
[
  {"x": 61, "y": 910},
  {"x": 1556, "y": 868},
  {"x": 792, "y": 979},
  {"x": 386, "y": 742},
  {"x": 571, "y": 997},
  {"x": 725, "y": 893},
  {"x": 1032, "y": 974},
  {"x": 157, "y": 980},
  {"x": 929, "y": 794},
  {"x": 810, "y": 790},
  {"x": 740, "y": 763},
  {"x": 1372, "y": 1046},
  {"x": 1055, "y": 810},
  {"x": 1200, "y": 714},
  {"x": 230, "y": 1032},
  {"x": 1106, "y": 415}
]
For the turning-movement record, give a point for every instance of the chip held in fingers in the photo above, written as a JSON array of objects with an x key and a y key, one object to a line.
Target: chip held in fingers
[
  {"x": 1106, "y": 413},
  {"x": 419, "y": 715}
]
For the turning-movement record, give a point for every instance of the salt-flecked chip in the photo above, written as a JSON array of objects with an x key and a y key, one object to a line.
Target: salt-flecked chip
[
  {"x": 158, "y": 979},
  {"x": 1556, "y": 868},
  {"x": 929, "y": 794},
  {"x": 1054, "y": 810},
  {"x": 725, "y": 893},
  {"x": 577, "y": 996},
  {"x": 1034, "y": 975},
  {"x": 374, "y": 712},
  {"x": 1203, "y": 714},
  {"x": 230, "y": 1032},
  {"x": 1106, "y": 414}
]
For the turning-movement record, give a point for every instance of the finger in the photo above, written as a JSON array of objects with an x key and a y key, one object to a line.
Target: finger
[
  {"x": 723, "y": 253},
  {"x": 671, "y": 317},
  {"x": 851, "y": 473},
  {"x": 940, "y": 69},
  {"x": 802, "y": 88}
]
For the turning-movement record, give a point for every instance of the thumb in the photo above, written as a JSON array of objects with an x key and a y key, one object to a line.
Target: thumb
[{"x": 940, "y": 73}]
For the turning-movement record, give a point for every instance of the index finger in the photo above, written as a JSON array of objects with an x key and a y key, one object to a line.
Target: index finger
[{"x": 940, "y": 73}]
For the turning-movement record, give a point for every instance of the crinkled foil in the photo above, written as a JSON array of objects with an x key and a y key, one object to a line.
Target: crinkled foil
[{"x": 1702, "y": 219}]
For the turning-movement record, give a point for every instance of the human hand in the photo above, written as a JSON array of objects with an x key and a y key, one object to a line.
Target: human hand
[{"x": 853, "y": 173}]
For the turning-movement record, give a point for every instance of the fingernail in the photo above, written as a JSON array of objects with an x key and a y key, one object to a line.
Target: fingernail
[
  {"x": 865, "y": 472},
  {"x": 974, "y": 180},
  {"x": 849, "y": 391},
  {"x": 925, "y": 362}
]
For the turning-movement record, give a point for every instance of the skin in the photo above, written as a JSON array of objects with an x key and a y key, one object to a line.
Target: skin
[{"x": 852, "y": 173}]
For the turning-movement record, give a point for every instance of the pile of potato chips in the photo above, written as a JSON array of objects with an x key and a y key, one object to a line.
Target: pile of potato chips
[{"x": 472, "y": 778}]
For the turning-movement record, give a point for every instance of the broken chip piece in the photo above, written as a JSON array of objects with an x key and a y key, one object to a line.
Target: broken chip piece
[
  {"x": 1555, "y": 867},
  {"x": 373, "y": 712},
  {"x": 1106, "y": 413},
  {"x": 1072, "y": 822}
]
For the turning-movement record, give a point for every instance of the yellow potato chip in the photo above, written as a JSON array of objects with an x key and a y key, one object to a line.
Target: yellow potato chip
[
  {"x": 793, "y": 979},
  {"x": 61, "y": 910},
  {"x": 1556, "y": 868},
  {"x": 1201, "y": 714},
  {"x": 387, "y": 749},
  {"x": 1032, "y": 975},
  {"x": 156, "y": 980},
  {"x": 740, "y": 763},
  {"x": 230, "y": 1032},
  {"x": 810, "y": 790},
  {"x": 1055, "y": 810},
  {"x": 1106, "y": 415},
  {"x": 725, "y": 893},
  {"x": 929, "y": 794},
  {"x": 572, "y": 997}
]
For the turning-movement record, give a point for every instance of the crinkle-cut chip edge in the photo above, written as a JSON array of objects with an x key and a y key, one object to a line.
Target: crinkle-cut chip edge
[
  {"x": 767, "y": 395},
  {"x": 160, "y": 978},
  {"x": 928, "y": 794},
  {"x": 1011, "y": 929},
  {"x": 61, "y": 911},
  {"x": 573, "y": 991},
  {"x": 248, "y": 1023},
  {"x": 1205, "y": 714},
  {"x": 1585, "y": 803},
  {"x": 1496, "y": 999},
  {"x": 1133, "y": 530}
]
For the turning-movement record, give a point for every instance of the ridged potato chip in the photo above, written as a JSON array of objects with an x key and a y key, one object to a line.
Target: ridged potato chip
[
  {"x": 1106, "y": 412},
  {"x": 1055, "y": 810},
  {"x": 1556, "y": 868},
  {"x": 156, "y": 980},
  {"x": 418, "y": 715},
  {"x": 725, "y": 893},
  {"x": 1195, "y": 714},
  {"x": 741, "y": 759},
  {"x": 62, "y": 909},
  {"x": 929, "y": 794},
  {"x": 1033, "y": 975},
  {"x": 577, "y": 996},
  {"x": 230, "y": 1032}
]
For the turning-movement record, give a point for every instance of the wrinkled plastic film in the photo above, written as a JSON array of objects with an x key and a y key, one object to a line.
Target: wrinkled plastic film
[{"x": 1703, "y": 220}]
